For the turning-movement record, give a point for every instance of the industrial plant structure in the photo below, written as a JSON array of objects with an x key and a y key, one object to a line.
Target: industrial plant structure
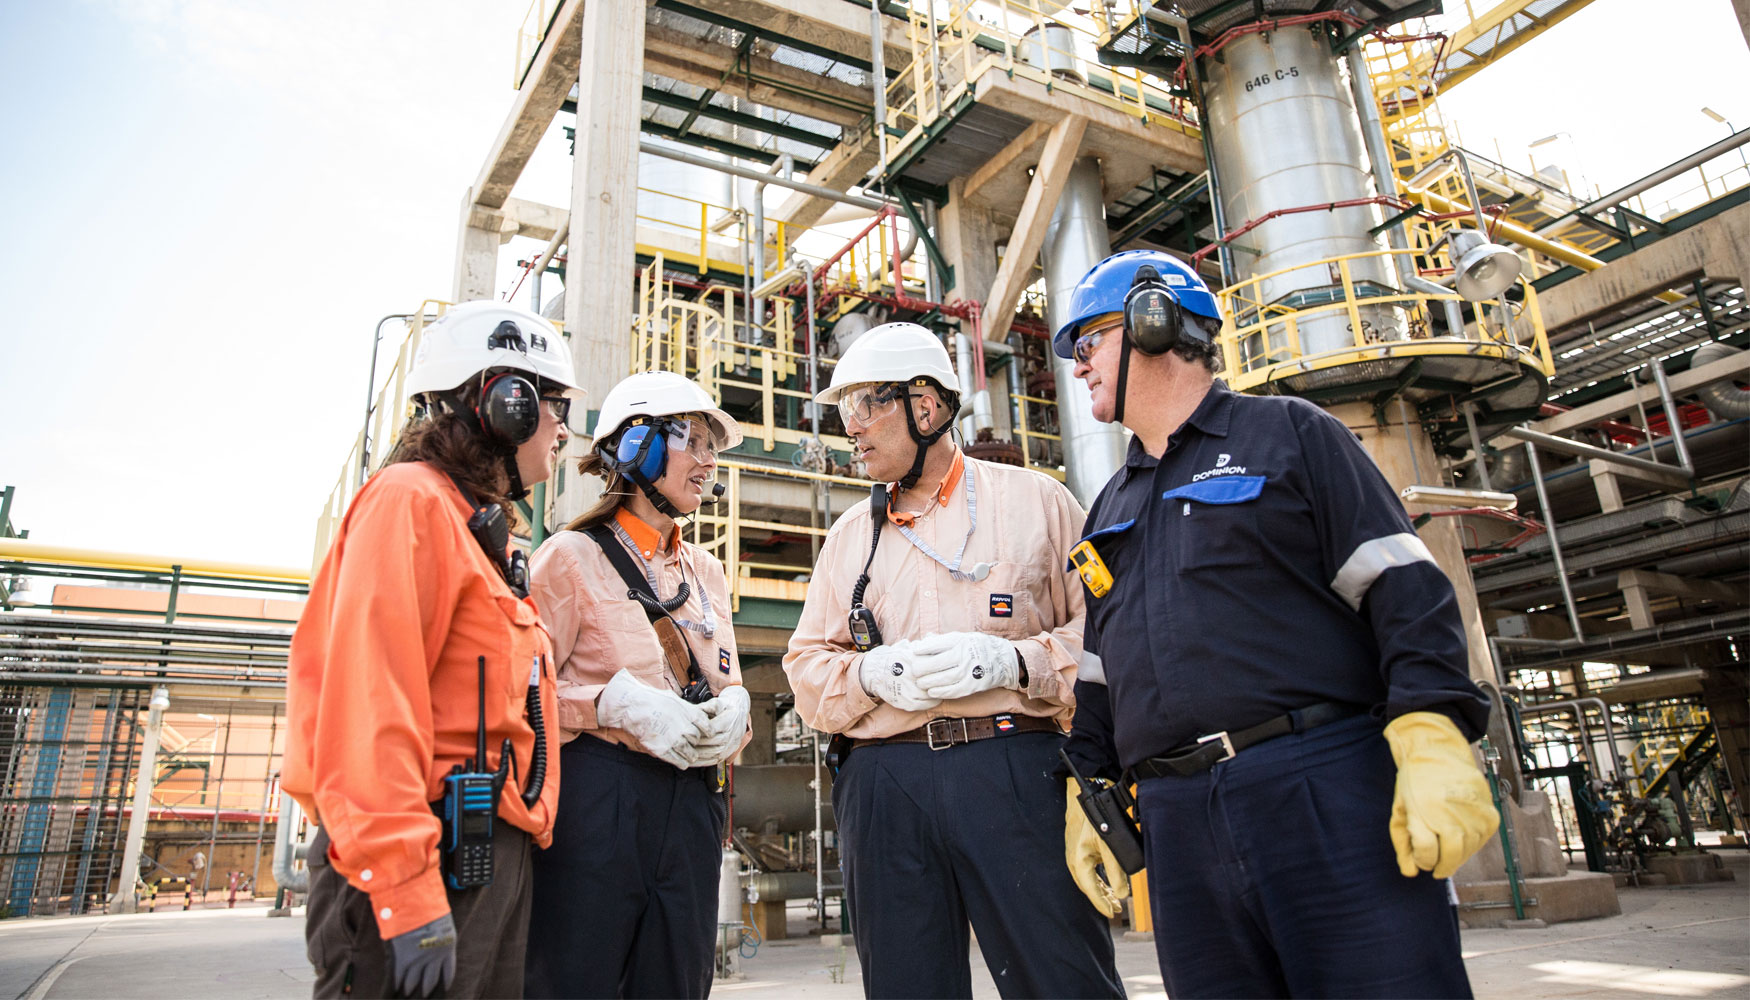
[{"x": 1552, "y": 377}]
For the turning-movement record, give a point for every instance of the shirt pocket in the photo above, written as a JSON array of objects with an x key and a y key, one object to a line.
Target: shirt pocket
[
  {"x": 1008, "y": 601},
  {"x": 527, "y": 641},
  {"x": 620, "y": 614},
  {"x": 1214, "y": 523}
]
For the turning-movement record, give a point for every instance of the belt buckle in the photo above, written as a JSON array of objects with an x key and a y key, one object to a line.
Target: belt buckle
[
  {"x": 1227, "y": 745},
  {"x": 947, "y": 739}
]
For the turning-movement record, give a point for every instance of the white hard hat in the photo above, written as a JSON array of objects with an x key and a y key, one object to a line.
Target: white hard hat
[
  {"x": 474, "y": 337},
  {"x": 891, "y": 352},
  {"x": 661, "y": 394}
]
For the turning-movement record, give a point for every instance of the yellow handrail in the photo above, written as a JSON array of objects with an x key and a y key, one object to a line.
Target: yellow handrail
[
  {"x": 1259, "y": 336},
  {"x": 25, "y": 550}
]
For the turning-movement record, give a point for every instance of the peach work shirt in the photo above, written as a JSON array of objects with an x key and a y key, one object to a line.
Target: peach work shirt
[
  {"x": 1027, "y": 523},
  {"x": 383, "y": 689},
  {"x": 599, "y": 631}
]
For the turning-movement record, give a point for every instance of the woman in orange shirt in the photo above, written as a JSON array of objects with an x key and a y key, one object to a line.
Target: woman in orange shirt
[
  {"x": 626, "y": 898},
  {"x": 417, "y": 629}
]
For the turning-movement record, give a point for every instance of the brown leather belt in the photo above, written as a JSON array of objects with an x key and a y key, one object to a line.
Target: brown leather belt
[{"x": 940, "y": 734}]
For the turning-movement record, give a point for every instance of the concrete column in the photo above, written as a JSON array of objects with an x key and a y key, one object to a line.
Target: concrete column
[
  {"x": 476, "y": 254},
  {"x": 599, "y": 284},
  {"x": 1408, "y": 461},
  {"x": 125, "y": 900}
]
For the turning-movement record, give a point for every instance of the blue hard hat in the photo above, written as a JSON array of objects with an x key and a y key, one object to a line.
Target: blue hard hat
[{"x": 1103, "y": 288}]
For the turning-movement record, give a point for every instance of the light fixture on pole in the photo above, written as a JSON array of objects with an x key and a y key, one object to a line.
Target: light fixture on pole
[
  {"x": 779, "y": 281},
  {"x": 1482, "y": 270},
  {"x": 1716, "y": 116}
]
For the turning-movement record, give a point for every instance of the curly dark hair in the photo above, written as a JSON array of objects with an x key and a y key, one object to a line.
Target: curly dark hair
[
  {"x": 450, "y": 441},
  {"x": 1207, "y": 354}
]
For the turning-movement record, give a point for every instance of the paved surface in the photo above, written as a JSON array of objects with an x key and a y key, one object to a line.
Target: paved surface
[{"x": 1670, "y": 941}]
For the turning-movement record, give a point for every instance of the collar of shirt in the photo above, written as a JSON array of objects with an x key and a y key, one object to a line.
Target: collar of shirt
[
  {"x": 1212, "y": 415},
  {"x": 944, "y": 491},
  {"x": 648, "y": 539}
]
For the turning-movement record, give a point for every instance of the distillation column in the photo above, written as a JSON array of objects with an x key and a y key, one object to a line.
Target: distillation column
[{"x": 1285, "y": 134}]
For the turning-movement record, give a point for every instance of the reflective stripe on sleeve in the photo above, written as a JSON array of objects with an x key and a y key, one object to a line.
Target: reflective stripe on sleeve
[
  {"x": 1090, "y": 668},
  {"x": 1374, "y": 557}
]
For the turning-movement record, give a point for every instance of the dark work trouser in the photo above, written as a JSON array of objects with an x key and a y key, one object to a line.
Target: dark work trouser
[
  {"x": 492, "y": 926},
  {"x": 1273, "y": 875},
  {"x": 626, "y": 898},
  {"x": 933, "y": 840}
]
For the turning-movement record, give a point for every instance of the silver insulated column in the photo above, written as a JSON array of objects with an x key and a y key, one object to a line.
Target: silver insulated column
[
  {"x": 1075, "y": 241},
  {"x": 1284, "y": 134}
]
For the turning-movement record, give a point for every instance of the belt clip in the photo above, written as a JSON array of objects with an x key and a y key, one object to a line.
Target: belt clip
[
  {"x": 1227, "y": 746},
  {"x": 947, "y": 739}
]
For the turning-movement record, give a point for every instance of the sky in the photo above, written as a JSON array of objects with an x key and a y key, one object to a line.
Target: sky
[{"x": 210, "y": 203}]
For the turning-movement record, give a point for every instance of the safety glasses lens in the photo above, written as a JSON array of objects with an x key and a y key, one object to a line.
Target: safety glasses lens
[
  {"x": 865, "y": 406},
  {"x": 1085, "y": 346},
  {"x": 559, "y": 406},
  {"x": 695, "y": 437}
]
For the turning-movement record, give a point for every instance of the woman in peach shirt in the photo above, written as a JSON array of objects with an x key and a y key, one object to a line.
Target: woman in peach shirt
[{"x": 626, "y": 897}]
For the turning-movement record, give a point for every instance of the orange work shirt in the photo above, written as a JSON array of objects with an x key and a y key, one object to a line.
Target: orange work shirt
[
  {"x": 382, "y": 689},
  {"x": 598, "y": 631}
]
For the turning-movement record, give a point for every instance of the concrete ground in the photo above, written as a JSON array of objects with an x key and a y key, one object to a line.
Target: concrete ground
[{"x": 1670, "y": 941}]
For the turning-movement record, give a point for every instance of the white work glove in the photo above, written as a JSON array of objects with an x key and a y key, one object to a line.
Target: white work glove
[
  {"x": 956, "y": 664},
  {"x": 887, "y": 673},
  {"x": 728, "y": 724},
  {"x": 667, "y": 726}
]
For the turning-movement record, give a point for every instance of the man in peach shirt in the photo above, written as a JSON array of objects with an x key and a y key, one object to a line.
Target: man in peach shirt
[{"x": 948, "y": 809}]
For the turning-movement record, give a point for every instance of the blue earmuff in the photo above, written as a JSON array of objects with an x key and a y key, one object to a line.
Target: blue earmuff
[{"x": 642, "y": 453}]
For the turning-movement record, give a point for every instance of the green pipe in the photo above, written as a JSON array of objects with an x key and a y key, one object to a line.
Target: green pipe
[{"x": 1490, "y": 757}]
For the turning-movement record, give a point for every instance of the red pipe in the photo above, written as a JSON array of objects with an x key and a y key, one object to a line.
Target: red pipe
[
  {"x": 1397, "y": 203},
  {"x": 1258, "y": 27}
]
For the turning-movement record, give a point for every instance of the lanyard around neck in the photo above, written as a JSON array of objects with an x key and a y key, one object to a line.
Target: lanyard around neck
[
  {"x": 706, "y": 628},
  {"x": 979, "y": 570}
]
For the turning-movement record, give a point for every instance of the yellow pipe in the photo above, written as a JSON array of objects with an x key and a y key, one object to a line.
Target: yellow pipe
[
  {"x": 28, "y": 551},
  {"x": 1524, "y": 237}
]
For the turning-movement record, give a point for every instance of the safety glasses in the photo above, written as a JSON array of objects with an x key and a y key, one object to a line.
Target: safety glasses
[
  {"x": 867, "y": 404},
  {"x": 560, "y": 407},
  {"x": 693, "y": 435},
  {"x": 1085, "y": 345}
]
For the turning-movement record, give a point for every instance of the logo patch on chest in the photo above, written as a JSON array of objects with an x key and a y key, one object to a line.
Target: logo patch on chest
[
  {"x": 1002, "y": 605},
  {"x": 722, "y": 659}
]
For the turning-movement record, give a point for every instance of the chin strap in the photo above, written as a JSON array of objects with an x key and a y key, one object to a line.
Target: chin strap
[
  {"x": 1123, "y": 380},
  {"x": 654, "y": 495},
  {"x": 922, "y": 440},
  {"x": 512, "y": 477}
]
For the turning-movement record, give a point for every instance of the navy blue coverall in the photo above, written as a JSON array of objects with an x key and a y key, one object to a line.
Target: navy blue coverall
[{"x": 1261, "y": 567}]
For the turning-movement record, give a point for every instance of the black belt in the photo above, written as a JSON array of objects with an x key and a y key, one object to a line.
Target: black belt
[
  {"x": 940, "y": 734},
  {"x": 1208, "y": 751}
]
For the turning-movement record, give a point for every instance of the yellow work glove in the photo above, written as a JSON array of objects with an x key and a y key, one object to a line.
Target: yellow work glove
[
  {"x": 1083, "y": 850},
  {"x": 1440, "y": 812}
]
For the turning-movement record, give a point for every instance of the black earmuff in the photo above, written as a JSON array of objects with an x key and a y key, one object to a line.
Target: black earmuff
[
  {"x": 1152, "y": 321},
  {"x": 509, "y": 410}
]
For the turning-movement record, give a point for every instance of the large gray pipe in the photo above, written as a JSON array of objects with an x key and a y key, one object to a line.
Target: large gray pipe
[
  {"x": 780, "y": 796},
  {"x": 1723, "y": 399},
  {"x": 1075, "y": 241}
]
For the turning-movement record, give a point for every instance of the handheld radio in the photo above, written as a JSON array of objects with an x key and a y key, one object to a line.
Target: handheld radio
[
  {"x": 469, "y": 804},
  {"x": 1108, "y": 807},
  {"x": 865, "y": 634}
]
